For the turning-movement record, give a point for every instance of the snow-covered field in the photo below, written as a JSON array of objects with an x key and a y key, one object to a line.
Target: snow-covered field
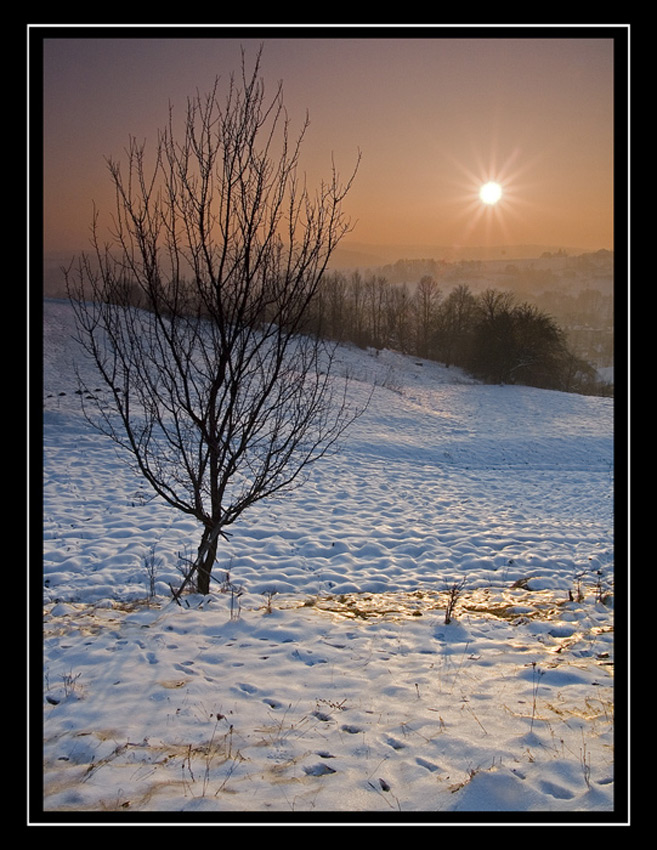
[{"x": 320, "y": 680}]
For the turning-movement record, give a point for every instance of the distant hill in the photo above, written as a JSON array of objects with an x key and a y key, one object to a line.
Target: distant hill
[
  {"x": 366, "y": 256},
  {"x": 357, "y": 254}
]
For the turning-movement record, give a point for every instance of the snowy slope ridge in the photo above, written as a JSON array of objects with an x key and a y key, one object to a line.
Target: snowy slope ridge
[{"x": 320, "y": 679}]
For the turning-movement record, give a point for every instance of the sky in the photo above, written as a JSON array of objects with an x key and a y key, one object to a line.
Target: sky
[{"x": 434, "y": 114}]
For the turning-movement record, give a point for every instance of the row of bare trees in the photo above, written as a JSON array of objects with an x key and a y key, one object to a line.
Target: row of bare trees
[
  {"x": 489, "y": 334},
  {"x": 368, "y": 310}
]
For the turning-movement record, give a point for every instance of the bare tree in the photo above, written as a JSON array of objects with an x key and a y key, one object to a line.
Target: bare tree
[
  {"x": 456, "y": 320},
  {"x": 219, "y": 392},
  {"x": 426, "y": 301}
]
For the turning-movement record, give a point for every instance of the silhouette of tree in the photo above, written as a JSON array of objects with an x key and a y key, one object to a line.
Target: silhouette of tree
[{"x": 218, "y": 392}]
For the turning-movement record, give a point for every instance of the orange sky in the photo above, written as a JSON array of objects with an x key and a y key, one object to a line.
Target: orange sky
[{"x": 433, "y": 115}]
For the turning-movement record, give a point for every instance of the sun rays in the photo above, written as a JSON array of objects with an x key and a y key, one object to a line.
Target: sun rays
[{"x": 491, "y": 200}]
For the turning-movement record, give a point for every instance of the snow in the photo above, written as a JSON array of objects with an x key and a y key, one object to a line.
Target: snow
[{"x": 320, "y": 680}]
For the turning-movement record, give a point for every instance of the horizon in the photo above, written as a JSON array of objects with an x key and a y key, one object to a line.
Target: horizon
[
  {"x": 368, "y": 258},
  {"x": 385, "y": 253}
]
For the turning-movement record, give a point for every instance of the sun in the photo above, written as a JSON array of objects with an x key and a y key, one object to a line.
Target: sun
[
  {"x": 488, "y": 197},
  {"x": 490, "y": 193}
]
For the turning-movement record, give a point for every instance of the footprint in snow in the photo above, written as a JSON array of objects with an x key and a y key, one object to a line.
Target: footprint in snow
[
  {"x": 555, "y": 790},
  {"x": 428, "y": 765},
  {"x": 321, "y": 715},
  {"x": 318, "y": 770},
  {"x": 307, "y": 657}
]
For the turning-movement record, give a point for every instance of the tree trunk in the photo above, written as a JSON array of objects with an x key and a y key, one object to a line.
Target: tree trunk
[{"x": 207, "y": 555}]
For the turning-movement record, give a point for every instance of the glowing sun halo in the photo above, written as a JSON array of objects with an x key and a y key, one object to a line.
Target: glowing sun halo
[{"x": 490, "y": 193}]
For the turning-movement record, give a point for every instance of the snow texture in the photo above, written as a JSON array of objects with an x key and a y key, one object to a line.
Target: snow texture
[{"x": 320, "y": 679}]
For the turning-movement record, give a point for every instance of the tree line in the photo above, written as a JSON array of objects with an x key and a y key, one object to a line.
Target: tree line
[{"x": 491, "y": 334}]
